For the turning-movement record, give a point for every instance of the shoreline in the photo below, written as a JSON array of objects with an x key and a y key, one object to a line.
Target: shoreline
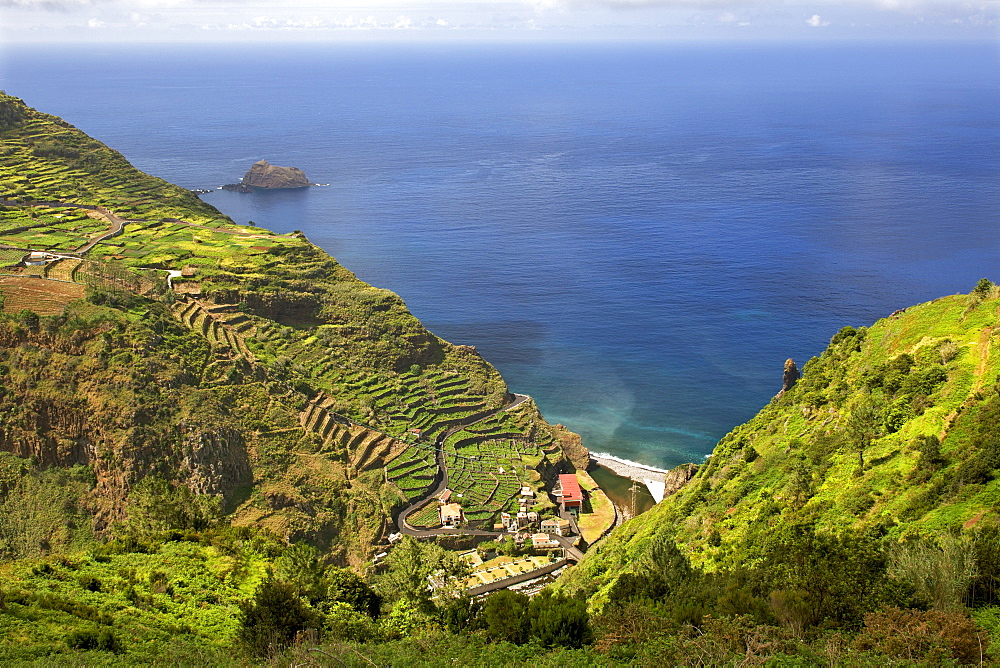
[
  {"x": 627, "y": 468},
  {"x": 650, "y": 476}
]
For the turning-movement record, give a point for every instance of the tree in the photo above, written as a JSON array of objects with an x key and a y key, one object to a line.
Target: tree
[
  {"x": 344, "y": 586},
  {"x": 405, "y": 575},
  {"x": 814, "y": 575},
  {"x": 408, "y": 570},
  {"x": 983, "y": 288},
  {"x": 864, "y": 426},
  {"x": 158, "y": 505},
  {"x": 29, "y": 319},
  {"x": 272, "y": 618},
  {"x": 301, "y": 567},
  {"x": 505, "y": 617},
  {"x": 559, "y": 620},
  {"x": 459, "y": 615}
]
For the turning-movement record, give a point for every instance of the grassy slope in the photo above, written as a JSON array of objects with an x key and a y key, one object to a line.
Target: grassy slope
[{"x": 799, "y": 457}]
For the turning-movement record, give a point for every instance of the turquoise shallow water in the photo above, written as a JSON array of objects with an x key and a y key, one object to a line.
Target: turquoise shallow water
[{"x": 636, "y": 236}]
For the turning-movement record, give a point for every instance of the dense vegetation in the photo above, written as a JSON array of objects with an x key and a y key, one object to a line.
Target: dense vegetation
[
  {"x": 205, "y": 429},
  {"x": 859, "y": 511}
]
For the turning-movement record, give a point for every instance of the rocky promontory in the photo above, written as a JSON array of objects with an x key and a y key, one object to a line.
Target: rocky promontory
[{"x": 262, "y": 174}]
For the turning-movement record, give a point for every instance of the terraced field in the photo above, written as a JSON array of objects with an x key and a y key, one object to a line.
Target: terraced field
[
  {"x": 42, "y": 296},
  {"x": 427, "y": 517},
  {"x": 10, "y": 257}
]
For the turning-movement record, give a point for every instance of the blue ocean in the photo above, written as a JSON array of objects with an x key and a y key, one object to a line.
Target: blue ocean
[{"x": 636, "y": 235}]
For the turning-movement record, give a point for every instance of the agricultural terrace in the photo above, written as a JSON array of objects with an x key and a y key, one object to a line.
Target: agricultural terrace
[
  {"x": 489, "y": 461},
  {"x": 42, "y": 297},
  {"x": 46, "y": 159},
  {"x": 49, "y": 227},
  {"x": 375, "y": 390},
  {"x": 427, "y": 516}
]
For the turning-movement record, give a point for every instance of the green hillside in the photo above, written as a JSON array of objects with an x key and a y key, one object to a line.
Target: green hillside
[
  {"x": 158, "y": 338},
  {"x": 872, "y": 484}
]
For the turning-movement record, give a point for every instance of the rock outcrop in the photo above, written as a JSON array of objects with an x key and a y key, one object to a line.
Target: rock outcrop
[
  {"x": 789, "y": 377},
  {"x": 677, "y": 477},
  {"x": 265, "y": 175}
]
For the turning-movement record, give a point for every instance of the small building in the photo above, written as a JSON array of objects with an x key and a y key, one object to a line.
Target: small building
[
  {"x": 527, "y": 519},
  {"x": 451, "y": 514},
  {"x": 37, "y": 258},
  {"x": 509, "y": 522},
  {"x": 445, "y": 496},
  {"x": 527, "y": 491},
  {"x": 543, "y": 541},
  {"x": 556, "y": 525},
  {"x": 571, "y": 497}
]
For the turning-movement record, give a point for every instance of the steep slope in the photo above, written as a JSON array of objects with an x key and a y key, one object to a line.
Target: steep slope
[
  {"x": 239, "y": 363},
  {"x": 891, "y": 433}
]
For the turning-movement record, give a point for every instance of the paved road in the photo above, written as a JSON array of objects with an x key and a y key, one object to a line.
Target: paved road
[{"x": 117, "y": 225}]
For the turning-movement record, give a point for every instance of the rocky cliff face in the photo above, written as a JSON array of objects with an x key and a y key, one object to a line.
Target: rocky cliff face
[
  {"x": 676, "y": 478},
  {"x": 265, "y": 175}
]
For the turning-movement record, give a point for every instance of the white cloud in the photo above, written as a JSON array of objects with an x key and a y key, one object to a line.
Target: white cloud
[
  {"x": 765, "y": 18},
  {"x": 95, "y": 23}
]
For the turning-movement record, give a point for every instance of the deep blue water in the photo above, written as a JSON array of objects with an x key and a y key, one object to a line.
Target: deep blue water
[{"x": 637, "y": 236}]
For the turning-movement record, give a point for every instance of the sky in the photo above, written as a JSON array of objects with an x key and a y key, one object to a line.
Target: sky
[{"x": 324, "y": 20}]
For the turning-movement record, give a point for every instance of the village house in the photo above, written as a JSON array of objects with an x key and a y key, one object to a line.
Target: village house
[
  {"x": 556, "y": 525},
  {"x": 451, "y": 514},
  {"x": 522, "y": 520},
  {"x": 38, "y": 258},
  {"x": 527, "y": 519},
  {"x": 543, "y": 541}
]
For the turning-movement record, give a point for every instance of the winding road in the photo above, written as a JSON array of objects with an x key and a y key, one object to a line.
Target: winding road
[
  {"x": 570, "y": 551},
  {"x": 403, "y": 525}
]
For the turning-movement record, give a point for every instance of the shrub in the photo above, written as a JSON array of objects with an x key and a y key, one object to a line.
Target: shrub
[
  {"x": 103, "y": 640},
  {"x": 940, "y": 571},
  {"x": 917, "y": 635}
]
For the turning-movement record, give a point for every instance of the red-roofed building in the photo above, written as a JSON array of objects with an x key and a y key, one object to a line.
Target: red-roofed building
[{"x": 569, "y": 491}]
